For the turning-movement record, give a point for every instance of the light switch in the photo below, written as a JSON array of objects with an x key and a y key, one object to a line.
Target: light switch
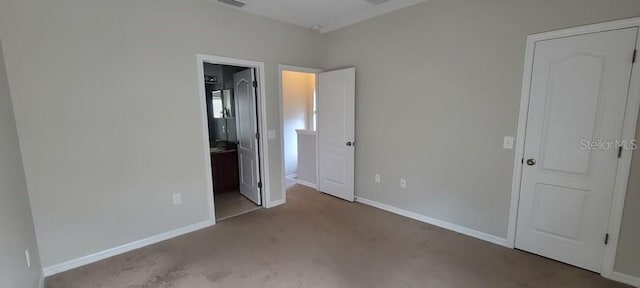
[
  {"x": 508, "y": 142},
  {"x": 28, "y": 255},
  {"x": 177, "y": 199},
  {"x": 271, "y": 134}
]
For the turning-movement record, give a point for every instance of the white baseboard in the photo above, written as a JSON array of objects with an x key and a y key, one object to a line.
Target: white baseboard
[
  {"x": 276, "y": 203},
  {"x": 305, "y": 183},
  {"x": 626, "y": 279},
  {"x": 88, "y": 259},
  {"x": 446, "y": 225},
  {"x": 292, "y": 177}
]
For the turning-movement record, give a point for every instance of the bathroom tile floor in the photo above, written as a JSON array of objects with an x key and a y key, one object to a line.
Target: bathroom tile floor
[{"x": 232, "y": 204}]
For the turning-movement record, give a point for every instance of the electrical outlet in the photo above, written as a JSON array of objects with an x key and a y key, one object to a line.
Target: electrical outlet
[
  {"x": 403, "y": 183},
  {"x": 28, "y": 256},
  {"x": 508, "y": 142},
  {"x": 377, "y": 178},
  {"x": 177, "y": 199}
]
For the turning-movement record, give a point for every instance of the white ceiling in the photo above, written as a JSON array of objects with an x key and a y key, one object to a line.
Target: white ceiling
[{"x": 328, "y": 14}]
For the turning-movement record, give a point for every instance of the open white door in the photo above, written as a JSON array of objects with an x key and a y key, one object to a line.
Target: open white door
[
  {"x": 336, "y": 132},
  {"x": 578, "y": 95},
  {"x": 246, "y": 125}
]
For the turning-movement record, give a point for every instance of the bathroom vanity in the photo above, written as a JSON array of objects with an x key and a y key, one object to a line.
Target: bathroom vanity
[{"x": 224, "y": 170}]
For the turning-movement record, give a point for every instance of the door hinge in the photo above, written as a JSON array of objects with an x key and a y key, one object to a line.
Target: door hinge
[
  {"x": 606, "y": 239},
  {"x": 258, "y": 135},
  {"x": 260, "y": 184},
  {"x": 620, "y": 152},
  {"x": 255, "y": 84},
  {"x": 635, "y": 53}
]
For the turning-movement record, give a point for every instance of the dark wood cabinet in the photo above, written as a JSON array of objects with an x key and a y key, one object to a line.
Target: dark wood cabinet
[{"x": 224, "y": 170}]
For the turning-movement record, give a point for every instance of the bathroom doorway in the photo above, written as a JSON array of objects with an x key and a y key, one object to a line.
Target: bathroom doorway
[{"x": 231, "y": 97}]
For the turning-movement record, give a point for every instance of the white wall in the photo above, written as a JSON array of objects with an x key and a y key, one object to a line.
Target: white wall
[
  {"x": 297, "y": 102},
  {"x": 16, "y": 225},
  {"x": 438, "y": 86},
  {"x": 109, "y": 121}
]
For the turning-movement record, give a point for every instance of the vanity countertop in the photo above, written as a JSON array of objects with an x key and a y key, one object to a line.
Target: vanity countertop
[{"x": 220, "y": 150}]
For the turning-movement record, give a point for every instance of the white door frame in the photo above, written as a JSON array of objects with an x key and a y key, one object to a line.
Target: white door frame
[
  {"x": 629, "y": 129},
  {"x": 281, "y": 68},
  {"x": 262, "y": 123}
]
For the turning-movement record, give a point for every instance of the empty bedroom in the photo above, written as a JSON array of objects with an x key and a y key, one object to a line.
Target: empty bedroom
[{"x": 319, "y": 143}]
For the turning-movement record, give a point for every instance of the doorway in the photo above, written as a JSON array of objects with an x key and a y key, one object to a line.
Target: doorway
[
  {"x": 575, "y": 139},
  {"x": 232, "y": 104},
  {"x": 299, "y": 115},
  {"x": 318, "y": 124}
]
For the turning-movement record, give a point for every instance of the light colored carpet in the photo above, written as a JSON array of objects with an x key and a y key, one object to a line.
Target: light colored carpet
[
  {"x": 232, "y": 204},
  {"x": 316, "y": 240}
]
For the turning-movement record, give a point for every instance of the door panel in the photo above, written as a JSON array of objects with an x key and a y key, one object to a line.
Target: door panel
[
  {"x": 246, "y": 125},
  {"x": 246, "y": 171},
  {"x": 578, "y": 94},
  {"x": 336, "y": 127},
  {"x": 565, "y": 88},
  {"x": 553, "y": 202}
]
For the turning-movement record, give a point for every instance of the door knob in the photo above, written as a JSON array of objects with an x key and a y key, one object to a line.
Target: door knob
[
  {"x": 349, "y": 143},
  {"x": 531, "y": 162}
]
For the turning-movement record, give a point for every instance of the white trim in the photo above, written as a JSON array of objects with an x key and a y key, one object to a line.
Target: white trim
[
  {"x": 292, "y": 177},
  {"x": 262, "y": 120},
  {"x": 623, "y": 169},
  {"x": 443, "y": 224},
  {"x": 281, "y": 68},
  {"x": 277, "y": 203},
  {"x": 300, "y": 69},
  {"x": 626, "y": 279},
  {"x": 629, "y": 128},
  {"x": 240, "y": 213},
  {"x": 41, "y": 283},
  {"x": 306, "y": 183},
  {"x": 205, "y": 138},
  {"x": 95, "y": 257}
]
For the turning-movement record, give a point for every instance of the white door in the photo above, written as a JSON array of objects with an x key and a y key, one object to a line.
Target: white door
[
  {"x": 578, "y": 94},
  {"x": 246, "y": 125},
  {"x": 336, "y": 132}
]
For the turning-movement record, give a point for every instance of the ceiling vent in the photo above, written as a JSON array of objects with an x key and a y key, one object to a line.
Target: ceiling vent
[
  {"x": 376, "y": 2},
  {"x": 240, "y": 4}
]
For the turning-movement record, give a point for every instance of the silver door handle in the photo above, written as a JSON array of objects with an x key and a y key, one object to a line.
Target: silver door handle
[
  {"x": 351, "y": 143},
  {"x": 531, "y": 162}
]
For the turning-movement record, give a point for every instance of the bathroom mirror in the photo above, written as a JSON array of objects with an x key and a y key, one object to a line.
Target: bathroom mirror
[
  {"x": 222, "y": 104},
  {"x": 216, "y": 104},
  {"x": 229, "y": 103}
]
